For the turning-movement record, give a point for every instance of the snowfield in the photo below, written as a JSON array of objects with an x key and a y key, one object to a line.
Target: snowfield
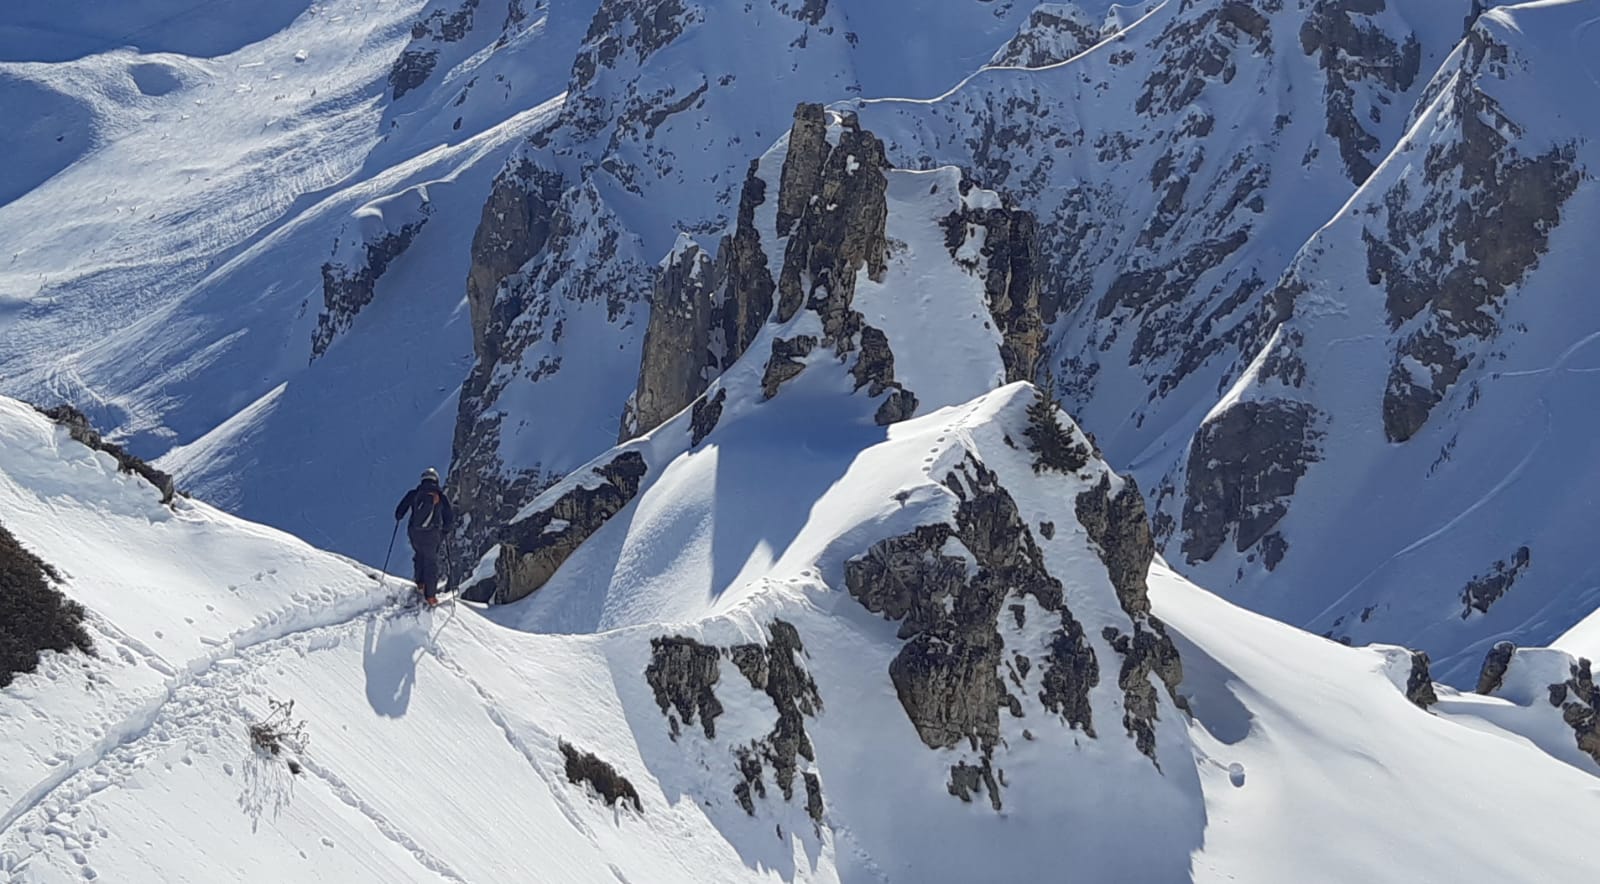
[{"x": 434, "y": 739}]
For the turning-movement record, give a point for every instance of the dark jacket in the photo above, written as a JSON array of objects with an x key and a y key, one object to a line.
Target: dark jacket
[{"x": 446, "y": 517}]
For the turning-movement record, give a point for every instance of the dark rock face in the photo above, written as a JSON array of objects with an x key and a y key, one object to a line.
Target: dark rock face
[
  {"x": 707, "y": 411},
  {"x": 1149, "y": 650},
  {"x": 1352, "y": 48},
  {"x": 833, "y": 203},
  {"x": 1579, "y": 701},
  {"x": 967, "y": 780},
  {"x": 776, "y": 671},
  {"x": 588, "y": 262},
  {"x": 747, "y": 284},
  {"x": 785, "y": 362},
  {"x": 840, "y": 228},
  {"x": 587, "y": 768},
  {"x": 1051, "y": 35},
  {"x": 949, "y": 607},
  {"x": 1009, "y": 264},
  {"x": 514, "y": 227},
  {"x": 346, "y": 290},
  {"x": 1448, "y": 255},
  {"x": 1494, "y": 668},
  {"x": 417, "y": 62},
  {"x": 1242, "y": 470},
  {"x": 34, "y": 615},
  {"x": 78, "y": 426},
  {"x": 683, "y": 674},
  {"x": 802, "y": 166},
  {"x": 411, "y": 70},
  {"x": 677, "y": 363},
  {"x": 1120, "y": 531},
  {"x": 532, "y": 549},
  {"x": 621, "y": 32},
  {"x": 1487, "y": 588},
  {"x": 1419, "y": 685}
]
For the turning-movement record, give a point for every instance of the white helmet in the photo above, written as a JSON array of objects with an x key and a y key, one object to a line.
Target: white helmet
[{"x": 430, "y": 474}]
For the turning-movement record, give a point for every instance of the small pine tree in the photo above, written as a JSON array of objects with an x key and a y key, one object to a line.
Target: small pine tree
[
  {"x": 1052, "y": 443},
  {"x": 34, "y": 615}
]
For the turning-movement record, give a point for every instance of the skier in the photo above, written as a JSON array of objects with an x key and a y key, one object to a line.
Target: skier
[{"x": 431, "y": 520}]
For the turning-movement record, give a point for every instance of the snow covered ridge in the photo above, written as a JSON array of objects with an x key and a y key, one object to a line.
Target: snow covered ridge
[
  {"x": 832, "y": 252},
  {"x": 666, "y": 105},
  {"x": 847, "y": 261},
  {"x": 1429, "y": 316},
  {"x": 1011, "y": 558},
  {"x": 833, "y": 673}
]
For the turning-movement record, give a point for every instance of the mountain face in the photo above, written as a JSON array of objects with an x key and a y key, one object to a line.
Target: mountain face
[
  {"x": 832, "y": 393},
  {"x": 666, "y": 106},
  {"x": 937, "y": 650},
  {"x": 1404, "y": 433}
]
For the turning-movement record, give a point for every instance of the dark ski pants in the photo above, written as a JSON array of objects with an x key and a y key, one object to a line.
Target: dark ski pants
[{"x": 425, "y": 560}]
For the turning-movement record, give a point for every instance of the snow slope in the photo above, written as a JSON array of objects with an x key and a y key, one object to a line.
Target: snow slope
[
  {"x": 184, "y": 175},
  {"x": 434, "y": 742}
]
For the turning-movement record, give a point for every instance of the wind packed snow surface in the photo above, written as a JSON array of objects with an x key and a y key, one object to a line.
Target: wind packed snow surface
[{"x": 434, "y": 745}]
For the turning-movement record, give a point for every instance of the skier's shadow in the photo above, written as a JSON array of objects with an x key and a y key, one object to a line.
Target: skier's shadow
[{"x": 389, "y": 656}]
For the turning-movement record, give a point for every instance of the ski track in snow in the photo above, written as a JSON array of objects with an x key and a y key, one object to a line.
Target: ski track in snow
[
  {"x": 136, "y": 727},
  {"x": 492, "y": 709},
  {"x": 389, "y": 830}
]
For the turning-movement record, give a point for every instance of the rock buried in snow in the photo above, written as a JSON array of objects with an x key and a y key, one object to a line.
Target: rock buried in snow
[{"x": 587, "y": 768}]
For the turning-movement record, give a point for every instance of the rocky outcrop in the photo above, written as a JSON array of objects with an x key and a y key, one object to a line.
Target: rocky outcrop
[
  {"x": 34, "y": 616},
  {"x": 1355, "y": 49},
  {"x": 81, "y": 430},
  {"x": 775, "y": 670},
  {"x": 1495, "y": 664},
  {"x": 678, "y": 361},
  {"x": 586, "y": 768},
  {"x": 1487, "y": 588},
  {"x": 1579, "y": 701},
  {"x": 445, "y": 23},
  {"x": 1053, "y": 33},
  {"x": 1455, "y": 242},
  {"x": 1120, "y": 531},
  {"x": 833, "y": 204},
  {"x": 948, "y": 585},
  {"x": 747, "y": 285},
  {"x": 1009, "y": 263},
  {"x": 684, "y": 674},
  {"x": 712, "y": 313},
  {"x": 1242, "y": 470},
  {"x": 1419, "y": 684},
  {"x": 588, "y": 265},
  {"x": 532, "y": 548},
  {"x": 515, "y": 226},
  {"x": 361, "y": 256}
]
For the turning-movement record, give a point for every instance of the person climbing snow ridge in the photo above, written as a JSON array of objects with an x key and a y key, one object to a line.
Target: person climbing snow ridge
[{"x": 431, "y": 520}]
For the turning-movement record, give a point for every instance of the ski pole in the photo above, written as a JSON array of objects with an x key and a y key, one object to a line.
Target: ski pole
[{"x": 390, "y": 551}]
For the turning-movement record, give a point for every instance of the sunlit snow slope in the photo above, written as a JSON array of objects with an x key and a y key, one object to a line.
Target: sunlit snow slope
[{"x": 434, "y": 742}]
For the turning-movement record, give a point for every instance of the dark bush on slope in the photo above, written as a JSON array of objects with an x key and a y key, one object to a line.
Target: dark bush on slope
[
  {"x": 34, "y": 615},
  {"x": 77, "y": 423}
]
